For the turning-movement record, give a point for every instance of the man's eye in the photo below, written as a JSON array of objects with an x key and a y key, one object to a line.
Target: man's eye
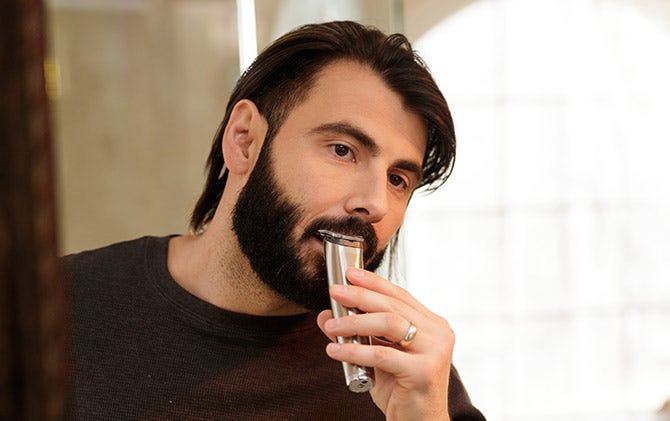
[
  {"x": 396, "y": 180},
  {"x": 341, "y": 150}
]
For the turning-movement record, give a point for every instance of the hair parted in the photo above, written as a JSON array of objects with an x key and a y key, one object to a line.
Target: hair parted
[{"x": 282, "y": 75}]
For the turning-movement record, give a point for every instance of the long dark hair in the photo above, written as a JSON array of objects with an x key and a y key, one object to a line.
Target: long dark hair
[{"x": 282, "y": 75}]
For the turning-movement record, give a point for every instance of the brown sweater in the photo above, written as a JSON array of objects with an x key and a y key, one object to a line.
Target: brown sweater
[{"x": 144, "y": 348}]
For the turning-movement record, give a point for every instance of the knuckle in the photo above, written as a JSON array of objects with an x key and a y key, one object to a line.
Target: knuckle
[
  {"x": 391, "y": 320},
  {"x": 381, "y": 354}
]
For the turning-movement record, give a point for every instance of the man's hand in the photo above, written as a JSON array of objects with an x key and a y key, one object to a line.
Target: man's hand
[{"x": 411, "y": 380}]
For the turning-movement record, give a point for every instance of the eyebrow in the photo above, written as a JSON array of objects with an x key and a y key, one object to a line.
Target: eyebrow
[
  {"x": 368, "y": 143},
  {"x": 349, "y": 130}
]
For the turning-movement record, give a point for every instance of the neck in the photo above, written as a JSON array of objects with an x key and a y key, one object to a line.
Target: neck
[{"x": 212, "y": 267}]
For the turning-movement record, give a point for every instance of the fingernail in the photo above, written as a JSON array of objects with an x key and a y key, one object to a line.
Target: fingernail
[
  {"x": 330, "y": 324},
  {"x": 334, "y": 347},
  {"x": 338, "y": 288}
]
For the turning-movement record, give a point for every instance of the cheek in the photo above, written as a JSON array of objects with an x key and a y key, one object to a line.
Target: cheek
[
  {"x": 315, "y": 191},
  {"x": 323, "y": 200},
  {"x": 387, "y": 227}
]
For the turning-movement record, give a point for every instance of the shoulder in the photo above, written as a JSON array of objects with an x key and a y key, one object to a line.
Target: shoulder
[
  {"x": 122, "y": 251},
  {"x": 110, "y": 280},
  {"x": 112, "y": 260}
]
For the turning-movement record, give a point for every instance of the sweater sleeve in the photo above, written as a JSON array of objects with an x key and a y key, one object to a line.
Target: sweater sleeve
[{"x": 460, "y": 406}]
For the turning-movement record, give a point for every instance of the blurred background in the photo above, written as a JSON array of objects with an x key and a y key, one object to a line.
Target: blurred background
[{"x": 548, "y": 248}]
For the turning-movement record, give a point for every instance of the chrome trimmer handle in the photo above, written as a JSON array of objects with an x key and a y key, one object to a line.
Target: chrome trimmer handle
[{"x": 342, "y": 252}]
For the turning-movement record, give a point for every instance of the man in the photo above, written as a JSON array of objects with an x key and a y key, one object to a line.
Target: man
[{"x": 333, "y": 127}]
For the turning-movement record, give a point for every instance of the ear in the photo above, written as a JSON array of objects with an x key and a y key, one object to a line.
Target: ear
[{"x": 243, "y": 137}]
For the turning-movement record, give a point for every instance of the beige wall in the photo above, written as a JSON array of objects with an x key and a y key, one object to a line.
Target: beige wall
[
  {"x": 142, "y": 90},
  {"x": 421, "y": 15}
]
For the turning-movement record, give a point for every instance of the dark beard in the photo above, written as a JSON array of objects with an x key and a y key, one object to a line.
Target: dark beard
[{"x": 264, "y": 220}]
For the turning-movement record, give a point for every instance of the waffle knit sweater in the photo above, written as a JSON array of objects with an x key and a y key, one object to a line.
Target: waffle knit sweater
[{"x": 145, "y": 348}]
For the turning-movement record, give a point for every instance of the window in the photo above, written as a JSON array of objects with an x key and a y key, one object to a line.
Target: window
[{"x": 553, "y": 235}]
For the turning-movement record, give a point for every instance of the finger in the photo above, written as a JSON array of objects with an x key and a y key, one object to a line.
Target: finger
[
  {"x": 391, "y": 327},
  {"x": 374, "y": 282},
  {"x": 371, "y": 301},
  {"x": 385, "y": 358},
  {"x": 321, "y": 319},
  {"x": 410, "y": 370}
]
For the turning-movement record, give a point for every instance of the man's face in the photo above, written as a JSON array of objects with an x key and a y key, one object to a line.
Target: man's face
[
  {"x": 264, "y": 220},
  {"x": 346, "y": 159}
]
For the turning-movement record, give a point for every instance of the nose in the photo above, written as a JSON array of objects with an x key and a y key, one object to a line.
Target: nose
[{"x": 368, "y": 197}]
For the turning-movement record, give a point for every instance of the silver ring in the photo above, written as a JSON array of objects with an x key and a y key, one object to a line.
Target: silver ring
[{"x": 409, "y": 336}]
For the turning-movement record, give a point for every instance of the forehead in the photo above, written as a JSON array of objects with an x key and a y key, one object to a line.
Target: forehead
[{"x": 346, "y": 91}]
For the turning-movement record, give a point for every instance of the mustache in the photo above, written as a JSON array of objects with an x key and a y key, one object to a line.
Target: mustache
[{"x": 348, "y": 225}]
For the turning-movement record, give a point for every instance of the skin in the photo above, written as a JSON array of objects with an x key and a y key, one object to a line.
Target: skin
[{"x": 360, "y": 154}]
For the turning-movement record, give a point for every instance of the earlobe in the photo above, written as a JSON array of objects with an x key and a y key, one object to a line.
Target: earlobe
[{"x": 243, "y": 137}]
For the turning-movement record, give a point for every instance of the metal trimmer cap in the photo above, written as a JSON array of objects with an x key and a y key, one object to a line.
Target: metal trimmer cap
[{"x": 343, "y": 239}]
